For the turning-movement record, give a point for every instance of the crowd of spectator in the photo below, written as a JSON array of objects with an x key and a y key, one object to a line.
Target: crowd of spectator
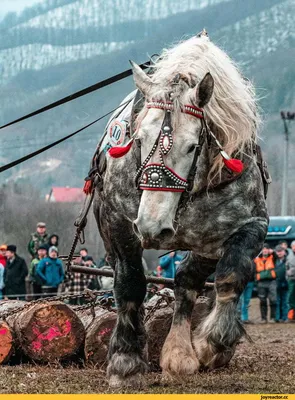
[
  {"x": 45, "y": 276},
  {"x": 273, "y": 276}
]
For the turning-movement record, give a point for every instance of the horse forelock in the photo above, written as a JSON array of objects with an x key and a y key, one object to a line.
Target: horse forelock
[{"x": 232, "y": 111}]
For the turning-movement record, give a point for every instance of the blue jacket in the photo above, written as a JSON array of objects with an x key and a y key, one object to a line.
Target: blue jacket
[
  {"x": 167, "y": 263},
  {"x": 50, "y": 271}
]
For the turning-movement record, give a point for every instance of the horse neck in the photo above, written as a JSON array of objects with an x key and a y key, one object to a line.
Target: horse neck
[{"x": 203, "y": 166}]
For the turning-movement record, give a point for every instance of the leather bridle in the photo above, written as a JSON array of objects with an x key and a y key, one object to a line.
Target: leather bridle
[{"x": 158, "y": 176}]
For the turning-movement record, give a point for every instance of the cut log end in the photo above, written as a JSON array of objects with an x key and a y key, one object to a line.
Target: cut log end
[
  {"x": 97, "y": 339},
  {"x": 6, "y": 342},
  {"x": 49, "y": 331}
]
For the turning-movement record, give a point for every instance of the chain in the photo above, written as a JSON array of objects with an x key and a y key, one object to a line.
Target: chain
[
  {"x": 168, "y": 298},
  {"x": 106, "y": 303},
  {"x": 86, "y": 294}
]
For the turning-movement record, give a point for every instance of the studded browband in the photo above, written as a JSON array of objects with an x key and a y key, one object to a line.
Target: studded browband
[{"x": 169, "y": 106}]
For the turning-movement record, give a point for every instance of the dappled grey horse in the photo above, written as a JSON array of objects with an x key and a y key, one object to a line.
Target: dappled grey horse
[{"x": 180, "y": 169}]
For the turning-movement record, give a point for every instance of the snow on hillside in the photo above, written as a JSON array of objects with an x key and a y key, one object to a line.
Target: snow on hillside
[
  {"x": 261, "y": 33},
  {"x": 38, "y": 56},
  {"x": 88, "y": 13}
]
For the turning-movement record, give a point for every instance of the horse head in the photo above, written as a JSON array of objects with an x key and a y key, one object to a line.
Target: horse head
[{"x": 170, "y": 134}]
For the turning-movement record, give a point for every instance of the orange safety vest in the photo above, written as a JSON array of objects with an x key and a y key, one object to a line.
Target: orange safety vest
[{"x": 264, "y": 264}]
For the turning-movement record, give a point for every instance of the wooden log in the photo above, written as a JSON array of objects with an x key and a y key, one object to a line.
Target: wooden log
[
  {"x": 159, "y": 318},
  {"x": 159, "y": 314},
  {"x": 46, "y": 331},
  {"x": 7, "y": 335},
  {"x": 98, "y": 333}
]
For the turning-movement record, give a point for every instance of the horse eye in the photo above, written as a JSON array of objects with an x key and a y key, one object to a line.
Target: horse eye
[
  {"x": 191, "y": 148},
  {"x": 138, "y": 143}
]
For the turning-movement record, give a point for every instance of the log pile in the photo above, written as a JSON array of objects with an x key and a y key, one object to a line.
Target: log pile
[{"x": 52, "y": 330}]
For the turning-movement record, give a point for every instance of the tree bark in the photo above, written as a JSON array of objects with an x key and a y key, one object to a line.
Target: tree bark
[{"x": 98, "y": 333}]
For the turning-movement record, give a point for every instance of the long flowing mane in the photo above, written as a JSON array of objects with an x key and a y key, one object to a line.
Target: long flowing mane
[{"x": 232, "y": 111}]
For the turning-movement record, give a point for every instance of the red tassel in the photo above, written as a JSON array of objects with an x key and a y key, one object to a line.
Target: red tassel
[
  {"x": 234, "y": 165},
  {"x": 117, "y": 152},
  {"x": 87, "y": 189}
]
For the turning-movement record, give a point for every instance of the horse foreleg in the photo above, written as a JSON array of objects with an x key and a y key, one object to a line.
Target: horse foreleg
[
  {"x": 178, "y": 356},
  {"x": 219, "y": 333},
  {"x": 127, "y": 360}
]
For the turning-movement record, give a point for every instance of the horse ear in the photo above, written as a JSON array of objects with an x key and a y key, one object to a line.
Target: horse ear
[
  {"x": 141, "y": 79},
  {"x": 204, "y": 90}
]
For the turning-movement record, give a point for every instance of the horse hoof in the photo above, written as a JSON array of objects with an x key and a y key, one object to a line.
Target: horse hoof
[
  {"x": 126, "y": 370},
  {"x": 211, "y": 358},
  {"x": 179, "y": 362},
  {"x": 136, "y": 381}
]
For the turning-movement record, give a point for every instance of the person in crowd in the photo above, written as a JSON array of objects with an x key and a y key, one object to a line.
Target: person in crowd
[
  {"x": 284, "y": 244},
  {"x": 103, "y": 261},
  {"x": 83, "y": 256},
  {"x": 15, "y": 275},
  {"x": 51, "y": 272},
  {"x": 38, "y": 238},
  {"x": 266, "y": 283},
  {"x": 282, "y": 284},
  {"x": 53, "y": 240},
  {"x": 290, "y": 275},
  {"x": 245, "y": 298},
  {"x": 36, "y": 282},
  {"x": 77, "y": 282},
  {"x": 1, "y": 281},
  {"x": 3, "y": 258},
  {"x": 169, "y": 264}
]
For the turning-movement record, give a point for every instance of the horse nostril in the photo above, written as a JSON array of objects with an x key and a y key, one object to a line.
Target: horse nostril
[{"x": 167, "y": 233}]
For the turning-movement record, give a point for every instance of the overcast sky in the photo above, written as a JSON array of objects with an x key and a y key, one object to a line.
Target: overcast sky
[{"x": 15, "y": 5}]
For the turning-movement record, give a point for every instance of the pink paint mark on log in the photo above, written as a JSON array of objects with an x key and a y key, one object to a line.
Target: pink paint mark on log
[
  {"x": 36, "y": 345},
  {"x": 104, "y": 331},
  {"x": 3, "y": 331},
  {"x": 52, "y": 333}
]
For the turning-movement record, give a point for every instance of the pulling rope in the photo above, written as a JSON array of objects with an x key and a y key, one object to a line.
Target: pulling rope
[
  {"x": 49, "y": 146},
  {"x": 80, "y": 93}
]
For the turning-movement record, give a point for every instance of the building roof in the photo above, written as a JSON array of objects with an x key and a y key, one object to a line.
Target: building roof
[{"x": 66, "y": 195}]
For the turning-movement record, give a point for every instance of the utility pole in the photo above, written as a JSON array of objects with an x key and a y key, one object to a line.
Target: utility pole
[{"x": 288, "y": 116}]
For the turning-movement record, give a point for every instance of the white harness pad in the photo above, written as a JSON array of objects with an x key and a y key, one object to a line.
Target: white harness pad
[{"x": 117, "y": 129}]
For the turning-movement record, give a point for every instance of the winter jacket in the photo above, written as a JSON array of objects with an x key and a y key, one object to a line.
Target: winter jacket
[
  {"x": 14, "y": 276},
  {"x": 1, "y": 277},
  {"x": 35, "y": 242},
  {"x": 167, "y": 263},
  {"x": 50, "y": 270},
  {"x": 290, "y": 267},
  {"x": 280, "y": 268},
  {"x": 3, "y": 260},
  {"x": 265, "y": 268}
]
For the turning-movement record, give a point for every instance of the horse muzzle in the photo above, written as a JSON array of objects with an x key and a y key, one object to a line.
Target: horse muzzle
[{"x": 152, "y": 234}]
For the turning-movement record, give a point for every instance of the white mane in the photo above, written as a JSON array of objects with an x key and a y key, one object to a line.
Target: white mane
[{"x": 232, "y": 110}]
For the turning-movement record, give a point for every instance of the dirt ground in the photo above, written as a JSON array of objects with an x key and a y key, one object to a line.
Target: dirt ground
[{"x": 265, "y": 366}]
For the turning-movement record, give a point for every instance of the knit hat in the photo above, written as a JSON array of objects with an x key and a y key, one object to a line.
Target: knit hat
[
  {"x": 3, "y": 247},
  {"x": 279, "y": 248},
  {"x": 43, "y": 247},
  {"x": 52, "y": 248},
  {"x": 12, "y": 248},
  {"x": 41, "y": 225}
]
